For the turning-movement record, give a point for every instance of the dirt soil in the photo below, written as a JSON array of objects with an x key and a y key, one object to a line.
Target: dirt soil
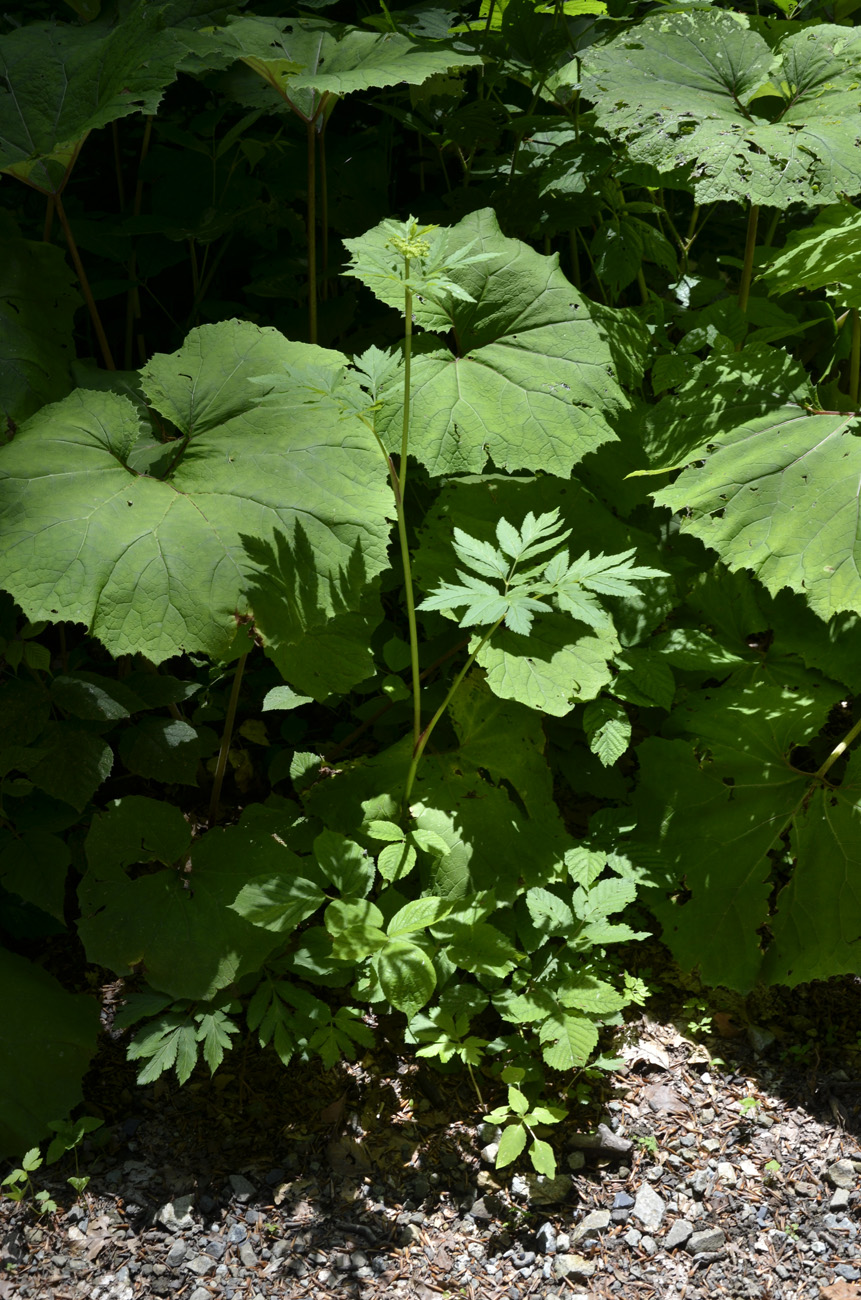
[{"x": 725, "y": 1161}]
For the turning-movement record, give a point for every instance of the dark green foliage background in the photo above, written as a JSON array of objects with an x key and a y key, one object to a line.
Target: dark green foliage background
[{"x": 661, "y": 343}]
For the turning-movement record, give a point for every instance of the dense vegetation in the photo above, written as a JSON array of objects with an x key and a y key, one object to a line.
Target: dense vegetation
[{"x": 468, "y": 573}]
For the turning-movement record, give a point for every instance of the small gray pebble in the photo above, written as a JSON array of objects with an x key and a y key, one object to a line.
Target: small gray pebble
[
  {"x": 840, "y": 1199},
  {"x": 846, "y": 1271},
  {"x": 176, "y": 1254},
  {"x": 341, "y": 1261},
  {"x": 247, "y": 1255},
  {"x": 359, "y": 1259},
  {"x": 236, "y": 1234},
  {"x": 216, "y": 1248},
  {"x": 545, "y": 1239},
  {"x": 649, "y": 1245},
  {"x": 202, "y": 1265},
  {"x": 252, "y": 1218}
]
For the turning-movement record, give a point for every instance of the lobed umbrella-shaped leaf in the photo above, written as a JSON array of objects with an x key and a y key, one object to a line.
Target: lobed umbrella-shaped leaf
[
  {"x": 524, "y": 378},
  {"x": 308, "y": 61},
  {"x": 63, "y": 81},
  {"x": 717, "y": 813},
  {"x": 37, "y": 307},
  {"x": 771, "y": 485},
  {"x": 179, "y": 922},
  {"x": 47, "y": 1037},
  {"x": 701, "y": 91},
  {"x": 826, "y": 252},
  {"x": 157, "y": 565}
]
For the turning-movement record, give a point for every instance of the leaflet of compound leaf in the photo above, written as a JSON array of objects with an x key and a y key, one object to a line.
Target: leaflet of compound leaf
[{"x": 572, "y": 586}]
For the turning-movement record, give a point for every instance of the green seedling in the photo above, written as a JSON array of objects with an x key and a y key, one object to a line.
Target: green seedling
[{"x": 521, "y": 1119}]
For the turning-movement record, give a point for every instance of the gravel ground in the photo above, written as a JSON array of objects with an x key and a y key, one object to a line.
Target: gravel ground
[{"x": 693, "y": 1177}]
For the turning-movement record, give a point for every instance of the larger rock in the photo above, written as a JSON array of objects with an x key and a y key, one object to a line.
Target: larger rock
[
  {"x": 540, "y": 1190},
  {"x": 649, "y": 1207},
  {"x": 841, "y": 1174},
  {"x": 594, "y": 1222},
  {"x": 573, "y": 1266},
  {"x": 176, "y": 1214},
  {"x": 707, "y": 1240}
]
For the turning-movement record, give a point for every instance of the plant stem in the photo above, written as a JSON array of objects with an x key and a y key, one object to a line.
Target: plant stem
[
  {"x": 133, "y": 302},
  {"x": 855, "y": 358},
  {"x": 399, "y": 484},
  {"x": 324, "y": 210},
  {"x": 312, "y": 230},
  {"x": 749, "y": 250},
  {"x": 428, "y": 731},
  {"x": 85, "y": 285},
  {"x": 227, "y": 736},
  {"x": 838, "y": 750},
  {"x": 475, "y": 1085}
]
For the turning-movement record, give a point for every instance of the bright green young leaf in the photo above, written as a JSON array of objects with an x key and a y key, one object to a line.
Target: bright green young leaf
[
  {"x": 406, "y": 974},
  {"x": 418, "y": 915},
  {"x": 396, "y": 861},
  {"x": 283, "y": 901},
  {"x": 603, "y": 899},
  {"x": 511, "y": 1145},
  {"x": 168, "y": 1042},
  {"x": 542, "y": 1157},
  {"x": 701, "y": 91},
  {"x": 37, "y": 307},
  {"x": 482, "y": 949},
  {"x": 532, "y": 376},
  {"x": 214, "y": 1029},
  {"x": 594, "y": 996},
  {"x": 550, "y": 915},
  {"x": 517, "y": 1101},
  {"x": 567, "y": 1039},
  {"x": 177, "y": 557},
  {"x": 608, "y": 730},
  {"x": 344, "y": 863}
]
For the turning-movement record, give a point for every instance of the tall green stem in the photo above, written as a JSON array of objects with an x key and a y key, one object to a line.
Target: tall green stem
[
  {"x": 227, "y": 736},
  {"x": 838, "y": 750},
  {"x": 855, "y": 358},
  {"x": 428, "y": 731},
  {"x": 311, "y": 139},
  {"x": 749, "y": 250},
  {"x": 85, "y": 285},
  {"x": 399, "y": 483}
]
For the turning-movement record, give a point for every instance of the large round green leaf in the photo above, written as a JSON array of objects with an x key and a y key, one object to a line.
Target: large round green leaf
[
  {"x": 178, "y": 922},
  {"x": 158, "y": 565},
  {"x": 47, "y": 1037},
  {"x": 529, "y": 379},
  {"x": 700, "y": 90}
]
